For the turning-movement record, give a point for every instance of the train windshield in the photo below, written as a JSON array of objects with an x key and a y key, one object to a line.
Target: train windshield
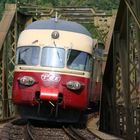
[
  {"x": 53, "y": 57},
  {"x": 28, "y": 55},
  {"x": 79, "y": 60}
]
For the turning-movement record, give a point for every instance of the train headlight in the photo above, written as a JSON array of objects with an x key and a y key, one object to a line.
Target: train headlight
[
  {"x": 73, "y": 85},
  {"x": 26, "y": 81}
]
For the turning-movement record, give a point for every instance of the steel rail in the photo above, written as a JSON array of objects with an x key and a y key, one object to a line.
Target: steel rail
[
  {"x": 29, "y": 132},
  {"x": 70, "y": 131},
  {"x": 101, "y": 138}
]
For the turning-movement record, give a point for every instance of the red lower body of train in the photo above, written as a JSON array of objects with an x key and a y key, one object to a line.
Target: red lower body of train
[{"x": 50, "y": 96}]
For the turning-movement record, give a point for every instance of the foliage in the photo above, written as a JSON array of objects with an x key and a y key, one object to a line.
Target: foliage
[{"x": 99, "y": 4}]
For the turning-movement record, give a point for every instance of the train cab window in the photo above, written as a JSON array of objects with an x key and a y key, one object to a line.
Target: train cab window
[
  {"x": 79, "y": 60},
  {"x": 53, "y": 57},
  {"x": 28, "y": 55}
]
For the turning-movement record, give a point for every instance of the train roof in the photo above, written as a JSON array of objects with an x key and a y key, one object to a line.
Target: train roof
[{"x": 58, "y": 25}]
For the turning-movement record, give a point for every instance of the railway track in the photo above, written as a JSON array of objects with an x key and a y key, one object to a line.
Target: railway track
[
  {"x": 64, "y": 132},
  {"x": 28, "y": 131},
  {"x": 79, "y": 134}
]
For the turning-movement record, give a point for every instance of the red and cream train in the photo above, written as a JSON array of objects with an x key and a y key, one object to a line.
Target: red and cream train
[{"x": 53, "y": 77}]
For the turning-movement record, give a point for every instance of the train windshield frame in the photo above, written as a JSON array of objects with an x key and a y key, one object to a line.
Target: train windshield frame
[
  {"x": 54, "y": 57},
  {"x": 28, "y": 55},
  {"x": 79, "y": 60},
  {"x": 58, "y": 55}
]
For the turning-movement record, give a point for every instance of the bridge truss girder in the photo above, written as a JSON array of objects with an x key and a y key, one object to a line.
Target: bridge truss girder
[
  {"x": 15, "y": 19},
  {"x": 120, "y": 109},
  {"x": 8, "y": 35}
]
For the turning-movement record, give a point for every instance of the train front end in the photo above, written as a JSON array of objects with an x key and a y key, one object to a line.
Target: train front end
[{"x": 53, "y": 70}]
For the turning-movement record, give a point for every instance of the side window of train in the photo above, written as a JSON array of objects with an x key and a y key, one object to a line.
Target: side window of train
[
  {"x": 98, "y": 51},
  {"x": 91, "y": 63}
]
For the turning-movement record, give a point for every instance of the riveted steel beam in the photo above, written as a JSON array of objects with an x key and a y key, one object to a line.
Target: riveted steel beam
[
  {"x": 124, "y": 62},
  {"x": 8, "y": 38}
]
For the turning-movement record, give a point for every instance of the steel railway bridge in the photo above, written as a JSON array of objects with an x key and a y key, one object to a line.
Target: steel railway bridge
[{"x": 120, "y": 100}]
